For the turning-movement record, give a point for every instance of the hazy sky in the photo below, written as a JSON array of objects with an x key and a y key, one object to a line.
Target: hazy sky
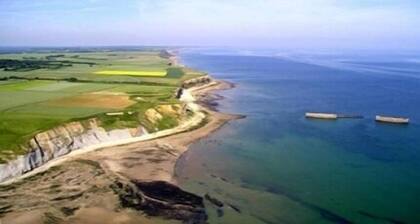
[{"x": 389, "y": 24}]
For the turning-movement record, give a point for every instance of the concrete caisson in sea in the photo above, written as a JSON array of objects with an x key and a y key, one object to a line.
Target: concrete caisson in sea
[
  {"x": 394, "y": 120},
  {"x": 321, "y": 115}
]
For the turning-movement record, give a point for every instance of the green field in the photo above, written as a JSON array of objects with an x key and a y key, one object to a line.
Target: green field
[
  {"x": 133, "y": 73},
  {"x": 86, "y": 66},
  {"x": 35, "y": 97}
]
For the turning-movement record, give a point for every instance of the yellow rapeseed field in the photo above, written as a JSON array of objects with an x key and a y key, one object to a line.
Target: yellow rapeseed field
[{"x": 133, "y": 73}]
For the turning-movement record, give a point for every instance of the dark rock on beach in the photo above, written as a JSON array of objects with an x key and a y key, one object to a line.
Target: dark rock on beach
[
  {"x": 234, "y": 207},
  {"x": 220, "y": 212},
  {"x": 213, "y": 200},
  {"x": 160, "y": 198}
]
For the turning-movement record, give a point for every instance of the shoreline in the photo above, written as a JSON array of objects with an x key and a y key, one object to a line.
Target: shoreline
[
  {"x": 203, "y": 98},
  {"x": 163, "y": 153},
  {"x": 132, "y": 179}
]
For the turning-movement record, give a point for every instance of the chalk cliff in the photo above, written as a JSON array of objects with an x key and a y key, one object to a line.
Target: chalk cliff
[{"x": 61, "y": 140}]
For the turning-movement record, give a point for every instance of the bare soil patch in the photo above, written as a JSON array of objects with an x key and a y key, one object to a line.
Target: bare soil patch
[{"x": 111, "y": 101}]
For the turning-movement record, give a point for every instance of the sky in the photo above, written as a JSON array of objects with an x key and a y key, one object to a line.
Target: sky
[{"x": 358, "y": 24}]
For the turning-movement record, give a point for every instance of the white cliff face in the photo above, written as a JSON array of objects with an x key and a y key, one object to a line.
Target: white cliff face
[{"x": 60, "y": 141}]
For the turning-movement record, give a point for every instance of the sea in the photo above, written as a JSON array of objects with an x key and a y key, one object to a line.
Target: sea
[{"x": 276, "y": 166}]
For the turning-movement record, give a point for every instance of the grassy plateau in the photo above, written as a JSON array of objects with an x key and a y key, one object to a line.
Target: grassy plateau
[{"x": 41, "y": 90}]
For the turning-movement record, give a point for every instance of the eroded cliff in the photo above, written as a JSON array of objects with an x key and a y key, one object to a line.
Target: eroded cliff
[
  {"x": 69, "y": 137},
  {"x": 61, "y": 140}
]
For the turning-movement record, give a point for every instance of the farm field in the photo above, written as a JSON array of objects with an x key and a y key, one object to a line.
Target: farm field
[
  {"x": 107, "y": 66},
  {"x": 133, "y": 73},
  {"x": 34, "y": 99}
]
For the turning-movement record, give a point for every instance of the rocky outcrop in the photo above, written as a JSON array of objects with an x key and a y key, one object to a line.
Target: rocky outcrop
[
  {"x": 160, "y": 198},
  {"x": 174, "y": 110},
  {"x": 156, "y": 114},
  {"x": 196, "y": 81},
  {"x": 152, "y": 115},
  {"x": 61, "y": 140}
]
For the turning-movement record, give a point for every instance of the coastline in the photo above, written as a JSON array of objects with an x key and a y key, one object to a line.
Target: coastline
[
  {"x": 161, "y": 167},
  {"x": 127, "y": 179},
  {"x": 124, "y": 182},
  {"x": 214, "y": 169},
  {"x": 203, "y": 98}
]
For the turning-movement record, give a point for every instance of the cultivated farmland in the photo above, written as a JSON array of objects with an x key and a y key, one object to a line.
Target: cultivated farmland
[
  {"x": 133, "y": 73},
  {"x": 39, "y": 91}
]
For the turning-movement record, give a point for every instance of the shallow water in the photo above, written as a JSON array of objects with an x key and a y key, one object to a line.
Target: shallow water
[{"x": 278, "y": 167}]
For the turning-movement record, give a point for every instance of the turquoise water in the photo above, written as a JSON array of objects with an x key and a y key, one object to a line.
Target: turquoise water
[{"x": 278, "y": 167}]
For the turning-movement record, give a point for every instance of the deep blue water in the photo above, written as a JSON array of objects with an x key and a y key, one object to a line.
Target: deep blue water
[{"x": 278, "y": 167}]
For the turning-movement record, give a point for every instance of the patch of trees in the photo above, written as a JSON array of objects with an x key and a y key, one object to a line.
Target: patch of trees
[
  {"x": 73, "y": 79},
  {"x": 174, "y": 72},
  {"x": 30, "y": 58},
  {"x": 29, "y": 64},
  {"x": 53, "y": 57}
]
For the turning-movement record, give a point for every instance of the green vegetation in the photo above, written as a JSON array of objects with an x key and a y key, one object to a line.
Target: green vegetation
[
  {"x": 34, "y": 64},
  {"x": 175, "y": 72},
  {"x": 39, "y": 91},
  {"x": 133, "y": 73},
  {"x": 83, "y": 66},
  {"x": 167, "y": 122}
]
